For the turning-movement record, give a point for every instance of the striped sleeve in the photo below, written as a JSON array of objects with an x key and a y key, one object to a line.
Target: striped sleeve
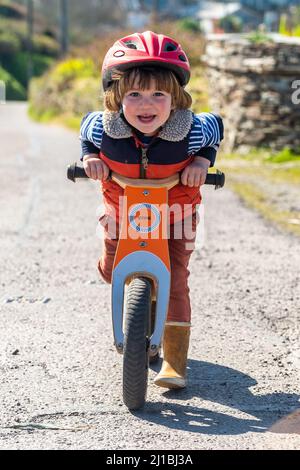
[
  {"x": 91, "y": 129},
  {"x": 206, "y": 131}
]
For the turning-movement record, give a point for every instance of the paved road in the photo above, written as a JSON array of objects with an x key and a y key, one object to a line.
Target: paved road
[{"x": 61, "y": 377}]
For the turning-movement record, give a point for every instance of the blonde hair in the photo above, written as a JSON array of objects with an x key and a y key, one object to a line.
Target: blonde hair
[{"x": 165, "y": 80}]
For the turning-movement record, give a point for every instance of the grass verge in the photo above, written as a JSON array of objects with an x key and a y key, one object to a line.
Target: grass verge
[{"x": 269, "y": 183}]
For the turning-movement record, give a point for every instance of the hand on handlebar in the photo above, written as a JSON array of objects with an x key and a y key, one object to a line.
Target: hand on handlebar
[
  {"x": 195, "y": 173},
  {"x": 95, "y": 168},
  {"x": 215, "y": 179}
]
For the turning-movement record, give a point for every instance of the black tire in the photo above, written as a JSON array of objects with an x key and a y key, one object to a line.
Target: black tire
[{"x": 136, "y": 343}]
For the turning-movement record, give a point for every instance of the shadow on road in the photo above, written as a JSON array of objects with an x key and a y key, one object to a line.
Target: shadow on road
[{"x": 223, "y": 386}]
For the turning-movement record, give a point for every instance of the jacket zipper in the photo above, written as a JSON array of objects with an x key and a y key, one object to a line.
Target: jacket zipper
[
  {"x": 144, "y": 162},
  {"x": 144, "y": 158}
]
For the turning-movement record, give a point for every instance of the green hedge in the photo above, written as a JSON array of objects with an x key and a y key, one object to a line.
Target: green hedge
[
  {"x": 9, "y": 43},
  {"x": 14, "y": 89},
  {"x": 17, "y": 65},
  {"x": 13, "y": 38},
  {"x": 46, "y": 45},
  {"x": 10, "y": 11}
]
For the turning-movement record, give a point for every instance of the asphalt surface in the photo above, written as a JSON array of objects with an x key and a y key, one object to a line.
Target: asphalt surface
[{"x": 61, "y": 377}]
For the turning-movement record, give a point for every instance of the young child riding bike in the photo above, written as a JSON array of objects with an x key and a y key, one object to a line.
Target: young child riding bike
[{"x": 148, "y": 131}]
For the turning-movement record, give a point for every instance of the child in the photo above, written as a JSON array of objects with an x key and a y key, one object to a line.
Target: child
[{"x": 148, "y": 131}]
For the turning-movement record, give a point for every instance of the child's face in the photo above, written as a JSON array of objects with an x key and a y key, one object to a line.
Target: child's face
[{"x": 147, "y": 110}]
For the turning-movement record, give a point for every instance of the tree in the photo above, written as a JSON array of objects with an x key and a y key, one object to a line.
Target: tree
[
  {"x": 29, "y": 39},
  {"x": 231, "y": 24},
  {"x": 64, "y": 26}
]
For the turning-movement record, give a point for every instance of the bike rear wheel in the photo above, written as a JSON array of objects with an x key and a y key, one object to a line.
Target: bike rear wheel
[{"x": 136, "y": 343}]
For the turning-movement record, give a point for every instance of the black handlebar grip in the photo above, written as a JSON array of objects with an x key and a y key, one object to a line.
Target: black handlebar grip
[
  {"x": 215, "y": 179},
  {"x": 75, "y": 171}
]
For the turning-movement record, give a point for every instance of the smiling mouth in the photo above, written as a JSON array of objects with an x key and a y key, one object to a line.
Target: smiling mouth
[{"x": 146, "y": 119}]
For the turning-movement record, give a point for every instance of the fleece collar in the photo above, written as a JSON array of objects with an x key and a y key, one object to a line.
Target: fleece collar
[{"x": 175, "y": 129}]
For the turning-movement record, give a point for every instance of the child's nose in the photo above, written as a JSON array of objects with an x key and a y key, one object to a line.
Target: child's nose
[{"x": 147, "y": 101}]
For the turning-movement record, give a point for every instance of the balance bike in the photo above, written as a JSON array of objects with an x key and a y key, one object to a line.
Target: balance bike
[{"x": 142, "y": 264}]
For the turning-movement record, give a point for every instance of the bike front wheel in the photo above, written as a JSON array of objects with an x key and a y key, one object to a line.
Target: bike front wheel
[{"x": 136, "y": 343}]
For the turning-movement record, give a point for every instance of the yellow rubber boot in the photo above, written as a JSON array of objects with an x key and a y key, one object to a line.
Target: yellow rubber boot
[{"x": 175, "y": 346}]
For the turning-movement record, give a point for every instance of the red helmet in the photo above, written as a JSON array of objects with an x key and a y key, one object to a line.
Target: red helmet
[{"x": 146, "y": 48}]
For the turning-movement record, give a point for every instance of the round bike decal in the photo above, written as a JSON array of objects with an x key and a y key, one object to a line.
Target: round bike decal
[{"x": 144, "y": 217}]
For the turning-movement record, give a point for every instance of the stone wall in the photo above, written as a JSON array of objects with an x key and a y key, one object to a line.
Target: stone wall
[{"x": 251, "y": 87}]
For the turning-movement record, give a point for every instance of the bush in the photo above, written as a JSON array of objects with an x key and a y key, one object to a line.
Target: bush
[
  {"x": 71, "y": 89},
  {"x": 84, "y": 96},
  {"x": 231, "y": 24},
  {"x": 285, "y": 155},
  {"x": 9, "y": 43},
  {"x": 14, "y": 89},
  {"x": 259, "y": 37},
  {"x": 14, "y": 37},
  {"x": 17, "y": 65},
  {"x": 11, "y": 11},
  {"x": 14, "y": 47},
  {"x": 46, "y": 45},
  {"x": 71, "y": 69},
  {"x": 44, "y": 98},
  {"x": 189, "y": 24}
]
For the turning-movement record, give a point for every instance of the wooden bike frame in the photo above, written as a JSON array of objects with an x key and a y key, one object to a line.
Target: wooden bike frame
[{"x": 143, "y": 250}]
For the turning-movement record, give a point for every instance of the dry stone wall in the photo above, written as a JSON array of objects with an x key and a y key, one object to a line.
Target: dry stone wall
[{"x": 254, "y": 87}]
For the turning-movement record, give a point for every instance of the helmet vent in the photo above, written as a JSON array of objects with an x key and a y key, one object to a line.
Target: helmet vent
[
  {"x": 170, "y": 47},
  {"x": 182, "y": 57},
  {"x": 130, "y": 44}
]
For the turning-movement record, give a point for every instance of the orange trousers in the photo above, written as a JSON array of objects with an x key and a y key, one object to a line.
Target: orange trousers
[{"x": 180, "y": 250}]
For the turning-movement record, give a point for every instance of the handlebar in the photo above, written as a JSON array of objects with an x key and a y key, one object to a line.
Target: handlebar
[{"x": 215, "y": 179}]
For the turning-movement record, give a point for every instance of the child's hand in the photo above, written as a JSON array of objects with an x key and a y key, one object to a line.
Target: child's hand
[
  {"x": 195, "y": 173},
  {"x": 94, "y": 167}
]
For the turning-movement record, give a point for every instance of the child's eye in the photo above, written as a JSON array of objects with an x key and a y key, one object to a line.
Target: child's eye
[
  {"x": 158, "y": 93},
  {"x": 134, "y": 94}
]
